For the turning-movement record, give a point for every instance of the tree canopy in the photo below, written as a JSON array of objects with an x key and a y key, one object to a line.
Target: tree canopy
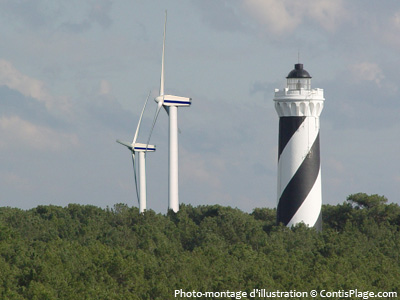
[{"x": 85, "y": 252}]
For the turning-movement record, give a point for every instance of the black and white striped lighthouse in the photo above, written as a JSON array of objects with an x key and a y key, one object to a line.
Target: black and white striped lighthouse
[{"x": 299, "y": 169}]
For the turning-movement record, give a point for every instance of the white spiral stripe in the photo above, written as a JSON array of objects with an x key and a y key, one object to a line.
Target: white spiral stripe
[
  {"x": 309, "y": 211},
  {"x": 295, "y": 151}
]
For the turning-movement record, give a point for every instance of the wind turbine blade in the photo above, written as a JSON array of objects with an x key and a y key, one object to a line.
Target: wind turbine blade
[
  {"x": 160, "y": 104},
  {"x": 140, "y": 121},
  {"x": 162, "y": 59},
  {"x": 125, "y": 144},
  {"x": 134, "y": 171}
]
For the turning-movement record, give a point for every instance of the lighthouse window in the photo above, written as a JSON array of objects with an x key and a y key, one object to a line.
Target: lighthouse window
[{"x": 299, "y": 83}]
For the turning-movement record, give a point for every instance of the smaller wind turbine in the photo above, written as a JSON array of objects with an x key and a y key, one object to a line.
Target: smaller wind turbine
[
  {"x": 170, "y": 103},
  {"x": 141, "y": 149}
]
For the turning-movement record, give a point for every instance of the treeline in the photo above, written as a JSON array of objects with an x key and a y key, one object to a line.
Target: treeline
[{"x": 85, "y": 252}]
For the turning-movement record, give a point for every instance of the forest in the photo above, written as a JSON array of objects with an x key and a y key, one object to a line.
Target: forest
[{"x": 87, "y": 252}]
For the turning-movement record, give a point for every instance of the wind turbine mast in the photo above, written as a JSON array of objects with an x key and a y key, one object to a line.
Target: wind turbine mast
[
  {"x": 170, "y": 103},
  {"x": 134, "y": 147},
  {"x": 173, "y": 202}
]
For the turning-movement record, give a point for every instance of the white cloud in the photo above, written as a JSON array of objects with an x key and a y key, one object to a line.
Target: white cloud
[
  {"x": 396, "y": 20},
  {"x": 367, "y": 71},
  {"x": 26, "y": 85},
  {"x": 273, "y": 14},
  {"x": 31, "y": 87},
  {"x": 390, "y": 31},
  {"x": 280, "y": 16},
  {"x": 105, "y": 87},
  {"x": 326, "y": 12},
  {"x": 16, "y": 132}
]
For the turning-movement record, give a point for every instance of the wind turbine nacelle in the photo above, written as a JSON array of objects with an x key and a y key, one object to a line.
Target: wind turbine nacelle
[
  {"x": 171, "y": 100},
  {"x": 139, "y": 147}
]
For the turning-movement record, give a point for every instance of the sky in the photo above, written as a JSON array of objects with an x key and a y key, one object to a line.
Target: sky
[{"x": 74, "y": 76}]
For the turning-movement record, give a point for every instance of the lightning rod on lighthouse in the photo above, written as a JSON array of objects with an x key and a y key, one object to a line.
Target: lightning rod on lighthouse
[{"x": 299, "y": 170}]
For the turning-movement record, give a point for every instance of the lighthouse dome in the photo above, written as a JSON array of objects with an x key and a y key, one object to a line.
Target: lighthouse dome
[
  {"x": 298, "y": 78},
  {"x": 298, "y": 72}
]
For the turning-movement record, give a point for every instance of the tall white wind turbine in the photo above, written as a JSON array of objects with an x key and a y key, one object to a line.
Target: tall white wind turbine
[
  {"x": 141, "y": 149},
  {"x": 171, "y": 103}
]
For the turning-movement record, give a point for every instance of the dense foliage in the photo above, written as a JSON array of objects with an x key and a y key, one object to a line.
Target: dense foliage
[{"x": 85, "y": 252}]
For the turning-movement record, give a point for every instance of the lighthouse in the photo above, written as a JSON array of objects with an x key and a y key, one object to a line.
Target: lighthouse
[{"x": 299, "y": 169}]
